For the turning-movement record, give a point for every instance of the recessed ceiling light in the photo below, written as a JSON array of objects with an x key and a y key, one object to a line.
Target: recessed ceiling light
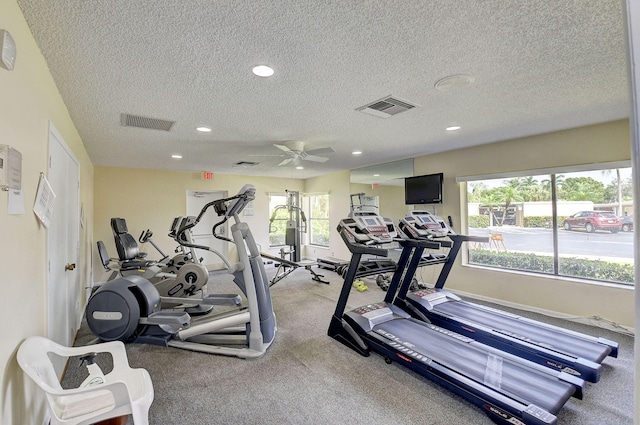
[
  {"x": 176, "y": 156},
  {"x": 262, "y": 71},
  {"x": 299, "y": 167},
  {"x": 203, "y": 129},
  {"x": 453, "y": 128},
  {"x": 356, "y": 153},
  {"x": 376, "y": 175}
]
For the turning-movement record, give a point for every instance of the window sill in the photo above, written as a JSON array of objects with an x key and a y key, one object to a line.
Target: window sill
[{"x": 626, "y": 286}]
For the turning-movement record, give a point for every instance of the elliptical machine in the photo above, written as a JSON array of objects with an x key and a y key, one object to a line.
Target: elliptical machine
[{"x": 129, "y": 308}]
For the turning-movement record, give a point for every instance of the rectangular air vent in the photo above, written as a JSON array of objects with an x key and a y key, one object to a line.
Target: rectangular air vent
[
  {"x": 386, "y": 107},
  {"x": 129, "y": 120}
]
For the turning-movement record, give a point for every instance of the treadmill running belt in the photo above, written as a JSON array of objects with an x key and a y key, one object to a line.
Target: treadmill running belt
[
  {"x": 458, "y": 353},
  {"x": 561, "y": 342}
]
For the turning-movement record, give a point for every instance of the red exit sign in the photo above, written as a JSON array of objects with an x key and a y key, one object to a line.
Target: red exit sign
[{"x": 207, "y": 175}]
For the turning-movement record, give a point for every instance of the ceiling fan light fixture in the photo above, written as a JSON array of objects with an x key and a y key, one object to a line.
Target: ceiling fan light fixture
[{"x": 262, "y": 71}]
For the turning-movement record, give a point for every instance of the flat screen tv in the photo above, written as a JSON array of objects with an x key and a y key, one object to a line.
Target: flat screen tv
[{"x": 425, "y": 189}]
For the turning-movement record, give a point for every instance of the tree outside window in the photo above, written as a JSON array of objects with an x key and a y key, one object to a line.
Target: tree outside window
[
  {"x": 517, "y": 215},
  {"x": 278, "y": 222},
  {"x": 319, "y": 220}
]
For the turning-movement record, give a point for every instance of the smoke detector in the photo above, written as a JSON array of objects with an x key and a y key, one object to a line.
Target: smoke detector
[{"x": 454, "y": 82}]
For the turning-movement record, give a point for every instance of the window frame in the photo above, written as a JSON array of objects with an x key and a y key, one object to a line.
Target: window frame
[
  {"x": 556, "y": 254},
  {"x": 311, "y": 219},
  {"x": 277, "y": 220}
]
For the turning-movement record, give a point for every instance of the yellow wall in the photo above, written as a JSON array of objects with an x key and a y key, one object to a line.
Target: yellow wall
[
  {"x": 391, "y": 199},
  {"x": 150, "y": 199},
  {"x": 30, "y": 101},
  {"x": 592, "y": 144}
]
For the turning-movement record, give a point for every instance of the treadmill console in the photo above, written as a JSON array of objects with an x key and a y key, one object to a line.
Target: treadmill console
[
  {"x": 420, "y": 224},
  {"x": 369, "y": 228}
]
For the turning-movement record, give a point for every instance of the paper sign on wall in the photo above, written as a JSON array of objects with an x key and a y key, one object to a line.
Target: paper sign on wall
[{"x": 45, "y": 199}]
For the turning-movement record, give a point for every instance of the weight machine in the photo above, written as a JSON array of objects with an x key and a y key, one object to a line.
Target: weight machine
[{"x": 295, "y": 226}]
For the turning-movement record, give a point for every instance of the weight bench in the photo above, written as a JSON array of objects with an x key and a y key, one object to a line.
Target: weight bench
[{"x": 285, "y": 267}]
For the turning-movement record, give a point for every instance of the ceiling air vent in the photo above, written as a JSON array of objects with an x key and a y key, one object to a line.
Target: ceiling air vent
[
  {"x": 128, "y": 120},
  {"x": 386, "y": 107},
  {"x": 245, "y": 164}
]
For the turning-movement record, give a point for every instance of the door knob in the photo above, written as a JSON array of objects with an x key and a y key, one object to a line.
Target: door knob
[{"x": 70, "y": 266}]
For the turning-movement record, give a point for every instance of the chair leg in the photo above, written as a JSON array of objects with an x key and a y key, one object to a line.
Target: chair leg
[{"x": 140, "y": 415}]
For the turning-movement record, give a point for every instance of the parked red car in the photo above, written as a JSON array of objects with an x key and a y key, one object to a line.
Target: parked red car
[{"x": 593, "y": 220}]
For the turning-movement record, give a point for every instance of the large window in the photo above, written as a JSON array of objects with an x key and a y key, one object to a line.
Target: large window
[
  {"x": 565, "y": 223},
  {"x": 319, "y": 219}
]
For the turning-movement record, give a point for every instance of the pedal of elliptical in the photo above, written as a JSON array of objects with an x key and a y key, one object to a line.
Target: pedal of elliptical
[{"x": 222, "y": 299}]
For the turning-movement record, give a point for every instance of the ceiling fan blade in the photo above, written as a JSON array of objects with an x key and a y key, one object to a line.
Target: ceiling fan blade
[
  {"x": 320, "y": 151},
  {"x": 286, "y": 161},
  {"x": 315, "y": 158},
  {"x": 283, "y": 148}
]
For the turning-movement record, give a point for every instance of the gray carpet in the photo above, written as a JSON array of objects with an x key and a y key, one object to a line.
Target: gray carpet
[{"x": 307, "y": 377}]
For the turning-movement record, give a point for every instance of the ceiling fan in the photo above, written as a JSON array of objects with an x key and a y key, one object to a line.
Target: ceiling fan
[{"x": 296, "y": 153}]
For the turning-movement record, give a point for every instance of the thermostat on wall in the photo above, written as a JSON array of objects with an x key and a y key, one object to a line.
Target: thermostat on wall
[
  {"x": 10, "y": 168},
  {"x": 8, "y": 48}
]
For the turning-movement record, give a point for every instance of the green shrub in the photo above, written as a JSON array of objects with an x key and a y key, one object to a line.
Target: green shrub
[
  {"x": 538, "y": 221},
  {"x": 478, "y": 221},
  {"x": 543, "y": 221},
  {"x": 577, "y": 267}
]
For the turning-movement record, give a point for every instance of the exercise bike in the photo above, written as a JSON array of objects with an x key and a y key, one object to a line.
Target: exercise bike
[
  {"x": 128, "y": 308},
  {"x": 176, "y": 279}
]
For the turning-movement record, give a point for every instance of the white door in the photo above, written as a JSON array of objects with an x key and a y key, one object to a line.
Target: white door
[
  {"x": 63, "y": 293},
  {"x": 202, "y": 232}
]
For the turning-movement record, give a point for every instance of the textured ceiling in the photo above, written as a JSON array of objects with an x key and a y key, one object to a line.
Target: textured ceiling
[{"x": 538, "y": 66}]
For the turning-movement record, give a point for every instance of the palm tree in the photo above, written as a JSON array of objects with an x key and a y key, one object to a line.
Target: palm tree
[
  {"x": 546, "y": 184},
  {"x": 507, "y": 195},
  {"x": 490, "y": 199},
  {"x": 619, "y": 183}
]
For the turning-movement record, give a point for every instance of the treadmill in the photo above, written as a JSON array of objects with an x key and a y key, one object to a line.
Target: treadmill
[
  {"x": 561, "y": 349},
  {"x": 510, "y": 390}
]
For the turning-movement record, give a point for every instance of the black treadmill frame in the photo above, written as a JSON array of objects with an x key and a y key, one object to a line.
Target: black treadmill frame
[{"x": 500, "y": 408}]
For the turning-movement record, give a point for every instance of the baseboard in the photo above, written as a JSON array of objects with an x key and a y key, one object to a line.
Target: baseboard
[{"x": 592, "y": 321}]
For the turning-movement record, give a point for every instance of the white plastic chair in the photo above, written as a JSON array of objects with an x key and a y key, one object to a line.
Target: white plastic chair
[{"x": 126, "y": 391}]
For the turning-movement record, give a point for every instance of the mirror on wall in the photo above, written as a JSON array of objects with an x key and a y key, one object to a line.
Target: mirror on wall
[
  {"x": 386, "y": 182},
  {"x": 387, "y": 174}
]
